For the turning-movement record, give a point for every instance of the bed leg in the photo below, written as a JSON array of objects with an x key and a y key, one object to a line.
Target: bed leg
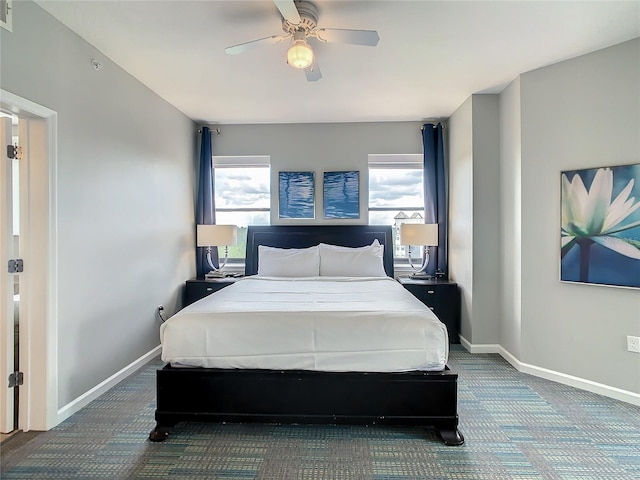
[
  {"x": 160, "y": 433},
  {"x": 451, "y": 437}
]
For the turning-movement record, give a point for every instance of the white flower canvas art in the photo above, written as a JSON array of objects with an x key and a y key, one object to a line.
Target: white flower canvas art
[{"x": 600, "y": 231}]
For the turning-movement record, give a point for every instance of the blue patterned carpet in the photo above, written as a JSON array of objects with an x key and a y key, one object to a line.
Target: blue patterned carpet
[{"x": 516, "y": 426}]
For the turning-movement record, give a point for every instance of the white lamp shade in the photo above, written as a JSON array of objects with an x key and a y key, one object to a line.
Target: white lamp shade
[
  {"x": 419, "y": 234},
  {"x": 216, "y": 235}
]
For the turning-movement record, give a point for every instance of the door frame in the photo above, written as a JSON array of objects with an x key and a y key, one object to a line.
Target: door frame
[
  {"x": 7, "y": 284},
  {"x": 38, "y": 400}
]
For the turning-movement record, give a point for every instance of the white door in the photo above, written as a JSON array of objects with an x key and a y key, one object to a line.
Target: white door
[{"x": 9, "y": 286}]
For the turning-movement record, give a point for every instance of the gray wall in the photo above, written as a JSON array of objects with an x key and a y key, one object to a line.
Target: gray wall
[
  {"x": 511, "y": 219},
  {"x": 319, "y": 148},
  {"x": 461, "y": 246},
  {"x": 580, "y": 113},
  {"x": 486, "y": 206},
  {"x": 124, "y": 196},
  {"x": 474, "y": 160}
]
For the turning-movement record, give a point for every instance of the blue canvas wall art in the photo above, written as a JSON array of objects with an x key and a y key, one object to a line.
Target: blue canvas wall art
[
  {"x": 600, "y": 232},
  {"x": 342, "y": 194},
  {"x": 296, "y": 195}
]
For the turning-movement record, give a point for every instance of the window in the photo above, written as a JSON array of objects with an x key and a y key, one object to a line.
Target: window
[
  {"x": 242, "y": 195},
  {"x": 396, "y": 194}
]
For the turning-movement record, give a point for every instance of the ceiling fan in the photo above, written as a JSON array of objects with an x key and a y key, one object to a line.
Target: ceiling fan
[{"x": 299, "y": 23}]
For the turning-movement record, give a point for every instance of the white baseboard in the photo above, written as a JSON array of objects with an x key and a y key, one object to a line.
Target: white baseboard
[
  {"x": 483, "y": 348},
  {"x": 87, "y": 397},
  {"x": 583, "y": 384},
  {"x": 563, "y": 378}
]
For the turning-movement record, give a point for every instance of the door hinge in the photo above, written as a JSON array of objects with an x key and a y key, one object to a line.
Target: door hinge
[
  {"x": 14, "y": 152},
  {"x": 16, "y": 379},
  {"x": 16, "y": 265}
]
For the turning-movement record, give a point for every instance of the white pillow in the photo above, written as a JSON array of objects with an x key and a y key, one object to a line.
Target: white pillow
[
  {"x": 337, "y": 261},
  {"x": 288, "y": 262}
]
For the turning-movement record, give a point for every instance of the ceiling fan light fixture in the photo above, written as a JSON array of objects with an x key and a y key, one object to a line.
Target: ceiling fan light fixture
[{"x": 300, "y": 54}]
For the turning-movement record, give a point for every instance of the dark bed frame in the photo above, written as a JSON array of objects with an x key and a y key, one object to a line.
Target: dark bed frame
[{"x": 293, "y": 396}]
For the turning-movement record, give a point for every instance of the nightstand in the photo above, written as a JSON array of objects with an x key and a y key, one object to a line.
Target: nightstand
[
  {"x": 198, "y": 288},
  {"x": 441, "y": 296}
]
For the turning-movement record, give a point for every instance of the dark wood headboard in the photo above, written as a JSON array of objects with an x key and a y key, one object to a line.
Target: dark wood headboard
[{"x": 302, "y": 236}]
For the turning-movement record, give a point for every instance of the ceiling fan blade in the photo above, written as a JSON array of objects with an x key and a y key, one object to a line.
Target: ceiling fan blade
[
  {"x": 313, "y": 72},
  {"x": 288, "y": 10},
  {"x": 368, "y": 38},
  {"x": 243, "y": 47}
]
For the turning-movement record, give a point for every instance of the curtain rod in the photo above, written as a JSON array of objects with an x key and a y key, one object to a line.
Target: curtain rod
[
  {"x": 217, "y": 130},
  {"x": 435, "y": 125}
]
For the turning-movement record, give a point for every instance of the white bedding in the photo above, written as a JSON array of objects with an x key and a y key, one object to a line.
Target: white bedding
[{"x": 317, "y": 323}]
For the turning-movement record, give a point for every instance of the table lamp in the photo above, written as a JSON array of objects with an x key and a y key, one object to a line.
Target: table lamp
[
  {"x": 216, "y": 236},
  {"x": 424, "y": 234}
]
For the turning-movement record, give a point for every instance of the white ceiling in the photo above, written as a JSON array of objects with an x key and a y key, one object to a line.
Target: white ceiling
[{"x": 431, "y": 57}]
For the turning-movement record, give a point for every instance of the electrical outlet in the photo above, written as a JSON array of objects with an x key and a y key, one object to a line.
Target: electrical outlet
[{"x": 633, "y": 344}]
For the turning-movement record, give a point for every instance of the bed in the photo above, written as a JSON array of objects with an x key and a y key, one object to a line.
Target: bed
[{"x": 324, "y": 383}]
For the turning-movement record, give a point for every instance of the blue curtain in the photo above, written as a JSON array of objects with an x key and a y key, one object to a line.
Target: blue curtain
[
  {"x": 205, "y": 207},
  {"x": 435, "y": 194}
]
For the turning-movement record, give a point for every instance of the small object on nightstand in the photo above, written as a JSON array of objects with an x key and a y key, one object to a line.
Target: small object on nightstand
[{"x": 422, "y": 276}]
